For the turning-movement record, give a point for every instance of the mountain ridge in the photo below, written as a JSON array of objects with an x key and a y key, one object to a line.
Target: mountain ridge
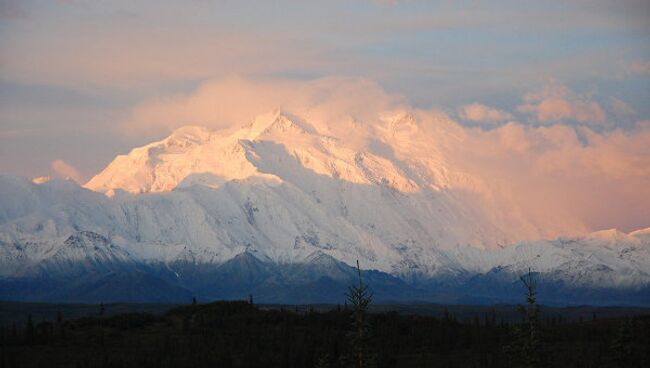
[
  {"x": 577, "y": 263},
  {"x": 288, "y": 192}
]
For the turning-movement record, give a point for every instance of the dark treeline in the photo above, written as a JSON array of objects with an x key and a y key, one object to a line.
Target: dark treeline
[{"x": 238, "y": 334}]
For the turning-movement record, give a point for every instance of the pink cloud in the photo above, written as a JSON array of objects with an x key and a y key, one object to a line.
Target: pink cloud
[
  {"x": 556, "y": 103},
  {"x": 226, "y": 102},
  {"x": 477, "y": 112},
  {"x": 568, "y": 179},
  {"x": 588, "y": 179},
  {"x": 639, "y": 68}
]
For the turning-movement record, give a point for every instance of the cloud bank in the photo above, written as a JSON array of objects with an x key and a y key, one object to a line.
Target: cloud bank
[
  {"x": 593, "y": 178},
  {"x": 232, "y": 101},
  {"x": 69, "y": 67}
]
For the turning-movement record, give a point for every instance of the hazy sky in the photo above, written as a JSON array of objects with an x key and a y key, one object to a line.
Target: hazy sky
[{"x": 75, "y": 74}]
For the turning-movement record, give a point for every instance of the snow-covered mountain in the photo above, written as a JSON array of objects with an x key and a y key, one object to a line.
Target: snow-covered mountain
[{"x": 283, "y": 201}]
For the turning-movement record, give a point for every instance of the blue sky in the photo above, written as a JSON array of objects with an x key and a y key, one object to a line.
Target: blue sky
[{"x": 72, "y": 71}]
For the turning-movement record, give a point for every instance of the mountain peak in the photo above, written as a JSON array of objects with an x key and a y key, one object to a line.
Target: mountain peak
[
  {"x": 190, "y": 133},
  {"x": 276, "y": 122},
  {"x": 339, "y": 166}
]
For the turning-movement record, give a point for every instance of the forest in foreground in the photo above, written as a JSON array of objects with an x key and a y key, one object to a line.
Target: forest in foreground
[{"x": 240, "y": 334}]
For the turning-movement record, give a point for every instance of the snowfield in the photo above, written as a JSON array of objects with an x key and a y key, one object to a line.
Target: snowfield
[{"x": 277, "y": 197}]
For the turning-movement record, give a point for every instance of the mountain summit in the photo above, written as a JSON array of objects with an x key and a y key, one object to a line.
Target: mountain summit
[
  {"x": 390, "y": 173},
  {"x": 162, "y": 165},
  {"x": 282, "y": 202}
]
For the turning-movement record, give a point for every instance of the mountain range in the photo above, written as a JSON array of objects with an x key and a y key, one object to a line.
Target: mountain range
[{"x": 281, "y": 208}]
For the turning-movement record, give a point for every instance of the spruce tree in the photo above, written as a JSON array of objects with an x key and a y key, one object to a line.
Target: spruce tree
[
  {"x": 527, "y": 345},
  {"x": 359, "y": 297}
]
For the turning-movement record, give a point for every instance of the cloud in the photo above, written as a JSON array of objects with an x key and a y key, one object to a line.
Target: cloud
[
  {"x": 569, "y": 173},
  {"x": 557, "y": 174},
  {"x": 66, "y": 171},
  {"x": 638, "y": 68},
  {"x": 226, "y": 102},
  {"x": 124, "y": 55},
  {"x": 11, "y": 10},
  {"x": 482, "y": 114},
  {"x": 556, "y": 103},
  {"x": 121, "y": 54},
  {"x": 620, "y": 108},
  {"x": 88, "y": 47}
]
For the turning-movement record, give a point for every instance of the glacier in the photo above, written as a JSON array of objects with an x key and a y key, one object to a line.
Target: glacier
[{"x": 282, "y": 206}]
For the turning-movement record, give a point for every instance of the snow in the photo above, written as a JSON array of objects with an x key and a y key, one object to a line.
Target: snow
[{"x": 291, "y": 191}]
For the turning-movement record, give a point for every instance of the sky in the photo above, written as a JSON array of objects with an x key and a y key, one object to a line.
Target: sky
[{"x": 82, "y": 81}]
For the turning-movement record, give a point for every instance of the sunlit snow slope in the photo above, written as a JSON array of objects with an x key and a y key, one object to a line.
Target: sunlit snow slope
[{"x": 289, "y": 192}]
